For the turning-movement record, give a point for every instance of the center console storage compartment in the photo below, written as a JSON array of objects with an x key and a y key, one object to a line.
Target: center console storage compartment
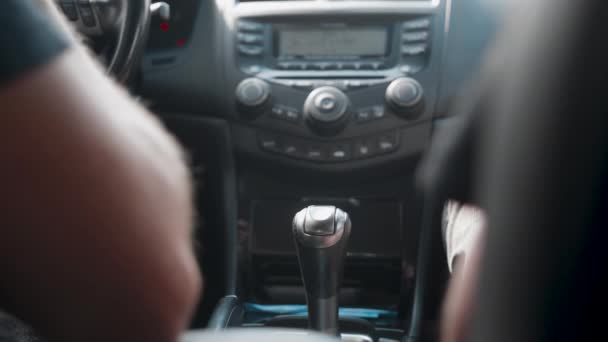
[
  {"x": 372, "y": 274},
  {"x": 376, "y": 231}
]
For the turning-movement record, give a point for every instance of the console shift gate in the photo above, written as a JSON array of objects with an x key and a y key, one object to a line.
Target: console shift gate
[{"x": 321, "y": 234}]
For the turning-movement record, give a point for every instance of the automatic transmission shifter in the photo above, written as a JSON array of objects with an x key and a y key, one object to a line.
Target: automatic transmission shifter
[{"x": 321, "y": 234}]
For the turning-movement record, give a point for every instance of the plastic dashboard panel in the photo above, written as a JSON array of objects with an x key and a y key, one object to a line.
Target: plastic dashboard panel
[
  {"x": 189, "y": 82},
  {"x": 470, "y": 29},
  {"x": 176, "y": 32},
  {"x": 202, "y": 76},
  {"x": 409, "y": 135}
]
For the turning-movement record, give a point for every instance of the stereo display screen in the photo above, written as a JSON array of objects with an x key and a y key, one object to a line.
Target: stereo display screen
[{"x": 331, "y": 41}]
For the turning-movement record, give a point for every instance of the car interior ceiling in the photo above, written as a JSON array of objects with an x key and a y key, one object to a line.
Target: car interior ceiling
[{"x": 385, "y": 110}]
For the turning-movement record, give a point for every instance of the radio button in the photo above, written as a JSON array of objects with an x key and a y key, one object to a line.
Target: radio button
[
  {"x": 342, "y": 85},
  {"x": 363, "y": 115},
  {"x": 292, "y": 115},
  {"x": 278, "y": 112},
  {"x": 253, "y": 69},
  {"x": 339, "y": 152},
  {"x": 366, "y": 66},
  {"x": 419, "y": 24},
  {"x": 347, "y": 66},
  {"x": 306, "y": 85},
  {"x": 250, "y": 38},
  {"x": 291, "y": 148},
  {"x": 268, "y": 142},
  {"x": 292, "y": 66},
  {"x": 421, "y": 36},
  {"x": 285, "y": 113},
  {"x": 405, "y": 69},
  {"x": 364, "y": 149},
  {"x": 325, "y": 66},
  {"x": 250, "y": 50},
  {"x": 378, "y": 112},
  {"x": 355, "y": 84},
  {"x": 314, "y": 66},
  {"x": 324, "y": 83},
  {"x": 315, "y": 152},
  {"x": 387, "y": 143},
  {"x": 286, "y": 83},
  {"x": 413, "y": 49},
  {"x": 282, "y": 65},
  {"x": 249, "y": 26}
]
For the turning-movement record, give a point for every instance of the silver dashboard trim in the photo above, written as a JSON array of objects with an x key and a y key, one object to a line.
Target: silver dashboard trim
[
  {"x": 448, "y": 16},
  {"x": 329, "y": 8},
  {"x": 356, "y": 338}
]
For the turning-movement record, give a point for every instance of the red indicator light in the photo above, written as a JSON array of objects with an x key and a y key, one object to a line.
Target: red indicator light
[
  {"x": 181, "y": 42},
  {"x": 164, "y": 26}
]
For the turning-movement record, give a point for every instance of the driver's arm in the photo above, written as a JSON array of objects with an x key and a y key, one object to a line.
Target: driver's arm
[{"x": 95, "y": 198}]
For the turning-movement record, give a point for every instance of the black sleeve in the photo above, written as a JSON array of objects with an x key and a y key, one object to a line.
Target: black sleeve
[{"x": 28, "y": 38}]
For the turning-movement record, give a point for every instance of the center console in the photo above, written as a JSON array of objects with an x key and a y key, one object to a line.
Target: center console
[
  {"x": 329, "y": 78},
  {"x": 333, "y": 85},
  {"x": 317, "y": 92}
]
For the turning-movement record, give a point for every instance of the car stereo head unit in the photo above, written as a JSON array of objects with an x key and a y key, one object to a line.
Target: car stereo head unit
[
  {"x": 338, "y": 90},
  {"x": 371, "y": 45},
  {"x": 331, "y": 42}
]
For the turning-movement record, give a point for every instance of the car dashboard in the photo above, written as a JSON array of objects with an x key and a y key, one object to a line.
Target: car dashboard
[{"x": 285, "y": 104}]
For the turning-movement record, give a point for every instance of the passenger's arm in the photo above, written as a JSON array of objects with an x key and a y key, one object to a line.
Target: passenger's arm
[
  {"x": 462, "y": 223},
  {"x": 461, "y": 294},
  {"x": 95, "y": 210}
]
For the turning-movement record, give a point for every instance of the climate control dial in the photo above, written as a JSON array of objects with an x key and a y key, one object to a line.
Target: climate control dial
[
  {"x": 252, "y": 93},
  {"x": 405, "y": 96},
  {"x": 326, "y": 110}
]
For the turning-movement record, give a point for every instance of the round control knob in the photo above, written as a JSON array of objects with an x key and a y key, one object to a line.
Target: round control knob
[
  {"x": 326, "y": 110},
  {"x": 252, "y": 92},
  {"x": 404, "y": 95}
]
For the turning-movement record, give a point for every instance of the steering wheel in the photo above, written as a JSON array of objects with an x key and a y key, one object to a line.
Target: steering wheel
[{"x": 117, "y": 30}]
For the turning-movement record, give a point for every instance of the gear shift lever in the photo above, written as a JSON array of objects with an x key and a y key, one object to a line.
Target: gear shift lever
[{"x": 321, "y": 234}]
